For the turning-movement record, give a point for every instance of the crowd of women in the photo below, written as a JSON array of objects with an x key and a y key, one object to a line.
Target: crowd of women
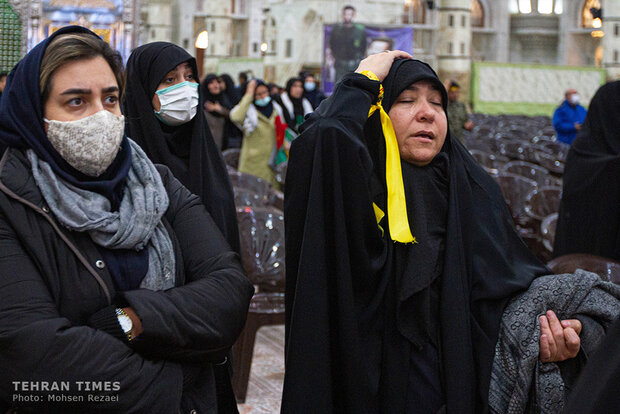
[{"x": 408, "y": 289}]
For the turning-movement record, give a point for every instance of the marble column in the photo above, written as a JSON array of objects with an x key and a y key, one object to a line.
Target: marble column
[
  {"x": 611, "y": 40},
  {"x": 454, "y": 47}
]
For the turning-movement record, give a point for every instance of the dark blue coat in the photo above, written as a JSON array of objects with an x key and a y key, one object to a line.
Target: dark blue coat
[{"x": 564, "y": 119}]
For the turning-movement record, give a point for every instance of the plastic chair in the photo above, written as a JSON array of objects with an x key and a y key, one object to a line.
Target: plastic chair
[
  {"x": 607, "y": 269},
  {"x": 275, "y": 198},
  {"x": 247, "y": 198},
  {"x": 250, "y": 182},
  {"x": 531, "y": 171},
  {"x": 280, "y": 173},
  {"x": 490, "y": 162},
  {"x": 553, "y": 163},
  {"x": 547, "y": 231},
  {"x": 515, "y": 189},
  {"x": 543, "y": 201},
  {"x": 558, "y": 149},
  {"x": 262, "y": 252},
  {"x": 231, "y": 157}
]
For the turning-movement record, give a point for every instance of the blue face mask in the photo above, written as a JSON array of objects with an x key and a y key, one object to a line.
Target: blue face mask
[
  {"x": 309, "y": 86},
  {"x": 263, "y": 102}
]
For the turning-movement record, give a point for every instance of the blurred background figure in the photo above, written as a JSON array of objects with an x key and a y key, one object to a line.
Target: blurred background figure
[
  {"x": 274, "y": 91},
  {"x": 458, "y": 113},
  {"x": 216, "y": 108},
  {"x": 294, "y": 104},
  {"x": 261, "y": 118},
  {"x": 242, "y": 79},
  {"x": 312, "y": 92},
  {"x": 227, "y": 85},
  {"x": 568, "y": 117},
  {"x": 380, "y": 44}
]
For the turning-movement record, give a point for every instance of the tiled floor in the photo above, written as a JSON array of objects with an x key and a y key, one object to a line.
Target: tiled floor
[{"x": 267, "y": 374}]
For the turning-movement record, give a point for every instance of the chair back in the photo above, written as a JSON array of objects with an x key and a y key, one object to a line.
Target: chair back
[
  {"x": 231, "y": 157},
  {"x": 250, "y": 182},
  {"x": 531, "y": 171},
  {"x": 547, "y": 231},
  {"x": 543, "y": 201},
  {"x": 247, "y": 198},
  {"x": 261, "y": 231},
  {"x": 515, "y": 189},
  {"x": 607, "y": 269}
]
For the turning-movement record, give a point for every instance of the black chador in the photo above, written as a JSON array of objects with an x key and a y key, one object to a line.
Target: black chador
[
  {"x": 188, "y": 150},
  {"x": 589, "y": 217},
  {"x": 378, "y": 326}
]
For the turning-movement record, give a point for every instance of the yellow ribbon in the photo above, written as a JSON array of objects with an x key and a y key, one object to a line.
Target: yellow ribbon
[{"x": 396, "y": 203}]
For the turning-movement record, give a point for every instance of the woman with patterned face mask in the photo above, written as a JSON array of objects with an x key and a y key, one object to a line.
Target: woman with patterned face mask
[
  {"x": 111, "y": 272},
  {"x": 162, "y": 105}
]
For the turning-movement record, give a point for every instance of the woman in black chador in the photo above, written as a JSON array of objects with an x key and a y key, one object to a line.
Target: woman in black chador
[
  {"x": 162, "y": 106},
  {"x": 589, "y": 218},
  {"x": 401, "y": 254}
]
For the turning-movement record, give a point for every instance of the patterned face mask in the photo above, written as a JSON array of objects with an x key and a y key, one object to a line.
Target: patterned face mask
[
  {"x": 89, "y": 144},
  {"x": 179, "y": 103}
]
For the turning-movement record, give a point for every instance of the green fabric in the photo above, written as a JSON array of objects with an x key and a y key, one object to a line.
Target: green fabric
[
  {"x": 281, "y": 155},
  {"x": 257, "y": 146}
]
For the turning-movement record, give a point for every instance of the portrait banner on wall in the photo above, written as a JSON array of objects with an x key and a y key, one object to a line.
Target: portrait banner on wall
[{"x": 345, "y": 45}]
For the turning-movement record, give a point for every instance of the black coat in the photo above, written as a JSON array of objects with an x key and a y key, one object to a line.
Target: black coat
[{"x": 53, "y": 280}]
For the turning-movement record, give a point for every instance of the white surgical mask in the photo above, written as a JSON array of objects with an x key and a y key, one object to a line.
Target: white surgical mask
[
  {"x": 574, "y": 99},
  {"x": 263, "y": 102},
  {"x": 89, "y": 144},
  {"x": 309, "y": 86},
  {"x": 179, "y": 103}
]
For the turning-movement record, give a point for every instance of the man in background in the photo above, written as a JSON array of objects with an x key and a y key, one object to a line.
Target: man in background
[
  {"x": 458, "y": 114},
  {"x": 568, "y": 117},
  {"x": 347, "y": 43}
]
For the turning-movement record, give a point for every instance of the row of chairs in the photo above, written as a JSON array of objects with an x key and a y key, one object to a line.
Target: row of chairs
[{"x": 261, "y": 231}]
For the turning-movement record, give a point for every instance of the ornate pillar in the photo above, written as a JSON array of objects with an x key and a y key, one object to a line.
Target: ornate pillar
[
  {"x": 611, "y": 40},
  {"x": 454, "y": 54}
]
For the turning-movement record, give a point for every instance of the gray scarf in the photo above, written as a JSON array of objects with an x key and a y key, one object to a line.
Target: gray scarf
[
  {"x": 136, "y": 224},
  {"x": 518, "y": 374}
]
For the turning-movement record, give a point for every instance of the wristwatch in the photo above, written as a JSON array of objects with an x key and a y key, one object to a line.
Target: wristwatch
[{"x": 125, "y": 322}]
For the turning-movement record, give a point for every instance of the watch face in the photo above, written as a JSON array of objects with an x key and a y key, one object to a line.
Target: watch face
[{"x": 125, "y": 323}]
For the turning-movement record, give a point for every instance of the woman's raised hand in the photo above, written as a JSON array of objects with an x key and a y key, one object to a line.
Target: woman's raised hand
[
  {"x": 380, "y": 63},
  {"x": 251, "y": 87}
]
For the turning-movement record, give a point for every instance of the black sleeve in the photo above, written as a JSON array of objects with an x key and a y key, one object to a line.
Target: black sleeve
[
  {"x": 37, "y": 344},
  {"x": 199, "y": 321},
  {"x": 333, "y": 249}
]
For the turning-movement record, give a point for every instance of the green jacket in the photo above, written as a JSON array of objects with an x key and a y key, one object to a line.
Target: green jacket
[{"x": 258, "y": 144}]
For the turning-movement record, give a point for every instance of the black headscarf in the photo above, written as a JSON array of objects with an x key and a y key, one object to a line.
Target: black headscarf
[
  {"x": 230, "y": 91},
  {"x": 589, "y": 217},
  {"x": 363, "y": 312},
  {"x": 207, "y": 96},
  {"x": 266, "y": 110},
  {"x": 188, "y": 150},
  {"x": 22, "y": 125},
  {"x": 298, "y": 105}
]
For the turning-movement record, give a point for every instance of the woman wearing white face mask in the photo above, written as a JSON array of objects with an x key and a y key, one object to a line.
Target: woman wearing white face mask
[
  {"x": 261, "y": 119},
  {"x": 111, "y": 272},
  {"x": 162, "y": 106}
]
